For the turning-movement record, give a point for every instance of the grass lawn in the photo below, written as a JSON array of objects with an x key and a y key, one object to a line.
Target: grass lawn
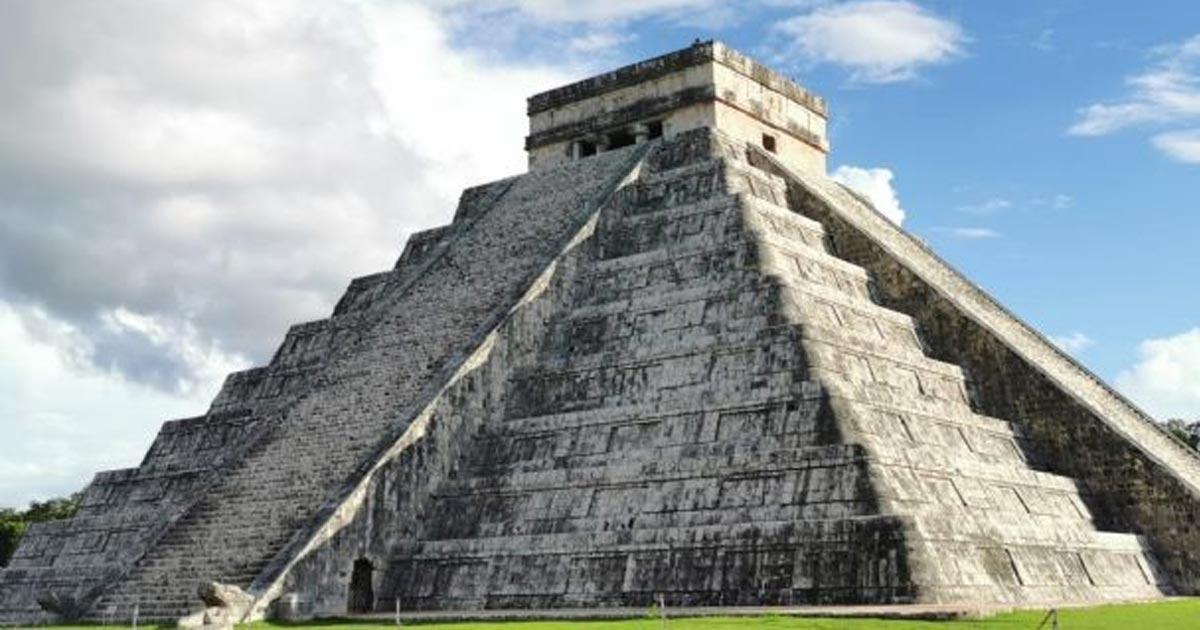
[{"x": 1181, "y": 614}]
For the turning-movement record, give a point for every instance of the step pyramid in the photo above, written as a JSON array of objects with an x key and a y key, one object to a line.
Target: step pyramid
[{"x": 673, "y": 361}]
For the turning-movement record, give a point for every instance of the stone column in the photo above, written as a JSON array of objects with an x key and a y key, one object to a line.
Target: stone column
[{"x": 641, "y": 132}]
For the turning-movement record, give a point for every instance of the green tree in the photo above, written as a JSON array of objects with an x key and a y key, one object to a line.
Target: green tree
[
  {"x": 13, "y": 523},
  {"x": 12, "y": 527},
  {"x": 1186, "y": 432}
]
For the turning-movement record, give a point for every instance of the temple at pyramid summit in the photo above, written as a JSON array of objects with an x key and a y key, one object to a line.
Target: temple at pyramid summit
[{"x": 672, "y": 360}]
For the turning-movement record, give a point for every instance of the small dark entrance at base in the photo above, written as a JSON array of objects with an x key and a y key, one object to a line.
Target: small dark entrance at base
[{"x": 362, "y": 595}]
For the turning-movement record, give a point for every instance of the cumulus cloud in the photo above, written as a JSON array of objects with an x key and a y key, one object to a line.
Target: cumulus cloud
[
  {"x": 1073, "y": 343},
  {"x": 62, "y": 420},
  {"x": 176, "y": 187},
  {"x": 1166, "y": 378},
  {"x": 219, "y": 173},
  {"x": 876, "y": 185},
  {"x": 879, "y": 41},
  {"x": 1167, "y": 93},
  {"x": 582, "y": 11}
]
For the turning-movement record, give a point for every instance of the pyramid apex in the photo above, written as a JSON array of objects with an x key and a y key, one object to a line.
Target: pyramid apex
[{"x": 707, "y": 84}]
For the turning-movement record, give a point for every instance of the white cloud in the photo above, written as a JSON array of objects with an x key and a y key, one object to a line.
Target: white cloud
[
  {"x": 1167, "y": 93},
  {"x": 433, "y": 107},
  {"x": 177, "y": 187},
  {"x": 226, "y": 171},
  {"x": 597, "y": 41},
  {"x": 64, "y": 420},
  {"x": 989, "y": 206},
  {"x": 876, "y": 185},
  {"x": 880, "y": 41},
  {"x": 970, "y": 233},
  {"x": 1044, "y": 41},
  {"x": 1073, "y": 343},
  {"x": 577, "y": 11},
  {"x": 601, "y": 10},
  {"x": 1166, "y": 378},
  {"x": 1057, "y": 201},
  {"x": 1184, "y": 146}
]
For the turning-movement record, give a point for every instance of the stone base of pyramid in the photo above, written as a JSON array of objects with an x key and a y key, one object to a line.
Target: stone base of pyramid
[{"x": 914, "y": 612}]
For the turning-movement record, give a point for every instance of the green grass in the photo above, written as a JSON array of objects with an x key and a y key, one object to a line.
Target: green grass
[{"x": 1181, "y": 614}]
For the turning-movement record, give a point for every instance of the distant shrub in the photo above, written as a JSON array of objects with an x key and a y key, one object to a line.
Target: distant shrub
[
  {"x": 13, "y": 523},
  {"x": 1186, "y": 432}
]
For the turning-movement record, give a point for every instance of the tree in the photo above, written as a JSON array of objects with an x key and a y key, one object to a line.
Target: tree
[
  {"x": 12, "y": 528},
  {"x": 13, "y": 523},
  {"x": 1186, "y": 432}
]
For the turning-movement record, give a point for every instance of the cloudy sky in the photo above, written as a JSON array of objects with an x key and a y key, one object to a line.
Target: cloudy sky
[{"x": 179, "y": 181}]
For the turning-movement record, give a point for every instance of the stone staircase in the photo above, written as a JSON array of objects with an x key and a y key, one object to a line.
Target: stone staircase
[{"x": 403, "y": 342}]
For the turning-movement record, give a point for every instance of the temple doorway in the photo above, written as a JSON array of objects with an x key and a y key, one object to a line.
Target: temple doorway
[{"x": 362, "y": 593}]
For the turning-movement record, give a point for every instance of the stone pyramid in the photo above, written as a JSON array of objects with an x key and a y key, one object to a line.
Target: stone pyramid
[{"x": 673, "y": 359}]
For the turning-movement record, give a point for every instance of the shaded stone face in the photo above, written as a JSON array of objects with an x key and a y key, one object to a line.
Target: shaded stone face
[{"x": 686, "y": 369}]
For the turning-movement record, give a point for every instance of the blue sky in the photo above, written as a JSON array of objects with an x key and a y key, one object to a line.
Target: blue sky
[{"x": 176, "y": 187}]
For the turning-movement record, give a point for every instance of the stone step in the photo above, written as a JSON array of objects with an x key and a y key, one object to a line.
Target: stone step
[
  {"x": 658, "y": 188},
  {"x": 705, "y": 221},
  {"x": 692, "y": 461},
  {"x": 768, "y": 384},
  {"x": 629, "y": 520},
  {"x": 699, "y": 437},
  {"x": 661, "y": 379},
  {"x": 806, "y": 301},
  {"x": 905, "y": 387},
  {"x": 689, "y": 325},
  {"x": 735, "y": 262},
  {"x": 749, "y": 294},
  {"x": 880, "y": 363},
  {"x": 970, "y": 479},
  {"x": 782, "y": 533},
  {"x": 709, "y": 358},
  {"x": 555, "y": 421},
  {"x": 735, "y": 242}
]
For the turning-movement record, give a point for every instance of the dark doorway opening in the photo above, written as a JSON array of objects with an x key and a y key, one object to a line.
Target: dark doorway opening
[
  {"x": 768, "y": 142},
  {"x": 620, "y": 138},
  {"x": 656, "y": 129},
  {"x": 362, "y": 593},
  {"x": 586, "y": 148}
]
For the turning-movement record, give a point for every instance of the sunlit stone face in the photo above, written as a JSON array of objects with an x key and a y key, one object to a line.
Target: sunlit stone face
[{"x": 705, "y": 85}]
